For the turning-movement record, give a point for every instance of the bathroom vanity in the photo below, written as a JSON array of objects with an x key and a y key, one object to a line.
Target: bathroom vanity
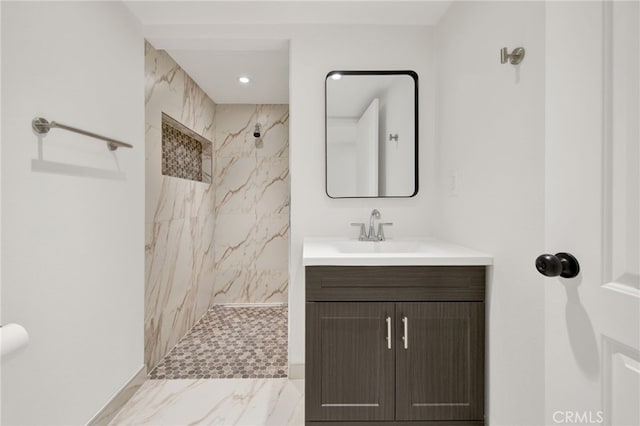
[{"x": 394, "y": 333}]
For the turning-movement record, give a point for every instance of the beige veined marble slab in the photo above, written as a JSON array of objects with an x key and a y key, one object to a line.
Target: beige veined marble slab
[{"x": 216, "y": 402}]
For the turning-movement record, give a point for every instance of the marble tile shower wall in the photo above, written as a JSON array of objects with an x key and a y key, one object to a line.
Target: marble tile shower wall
[
  {"x": 180, "y": 216},
  {"x": 252, "y": 203},
  {"x": 225, "y": 242}
]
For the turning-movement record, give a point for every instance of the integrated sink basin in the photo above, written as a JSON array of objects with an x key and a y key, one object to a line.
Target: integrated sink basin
[
  {"x": 415, "y": 251},
  {"x": 387, "y": 246}
]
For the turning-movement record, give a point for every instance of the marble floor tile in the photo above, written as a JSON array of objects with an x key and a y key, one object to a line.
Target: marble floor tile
[{"x": 250, "y": 402}]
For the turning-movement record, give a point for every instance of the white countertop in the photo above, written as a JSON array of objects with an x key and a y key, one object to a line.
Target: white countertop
[{"x": 392, "y": 252}]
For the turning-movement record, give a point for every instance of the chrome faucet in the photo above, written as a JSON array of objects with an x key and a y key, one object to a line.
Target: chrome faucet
[
  {"x": 371, "y": 235},
  {"x": 375, "y": 214}
]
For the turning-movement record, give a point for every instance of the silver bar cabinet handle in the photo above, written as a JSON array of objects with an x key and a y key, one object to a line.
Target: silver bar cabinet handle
[
  {"x": 388, "y": 332},
  {"x": 405, "y": 338}
]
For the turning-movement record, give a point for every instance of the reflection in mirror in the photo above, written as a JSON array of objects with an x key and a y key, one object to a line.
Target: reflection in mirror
[{"x": 371, "y": 134}]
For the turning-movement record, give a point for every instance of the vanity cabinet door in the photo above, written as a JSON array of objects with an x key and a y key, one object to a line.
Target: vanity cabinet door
[
  {"x": 350, "y": 362},
  {"x": 440, "y": 367}
]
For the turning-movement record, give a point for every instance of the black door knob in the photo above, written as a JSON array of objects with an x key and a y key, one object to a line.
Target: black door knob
[{"x": 563, "y": 264}]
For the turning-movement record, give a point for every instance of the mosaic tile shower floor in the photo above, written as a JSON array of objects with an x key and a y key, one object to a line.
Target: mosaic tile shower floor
[{"x": 230, "y": 342}]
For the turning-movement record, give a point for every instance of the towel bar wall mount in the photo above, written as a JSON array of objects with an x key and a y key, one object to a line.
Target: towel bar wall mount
[{"x": 42, "y": 126}]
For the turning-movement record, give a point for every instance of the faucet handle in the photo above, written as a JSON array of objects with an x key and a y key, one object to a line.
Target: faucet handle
[
  {"x": 381, "y": 230},
  {"x": 363, "y": 231}
]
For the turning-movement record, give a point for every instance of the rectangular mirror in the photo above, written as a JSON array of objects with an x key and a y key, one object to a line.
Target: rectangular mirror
[{"x": 371, "y": 130}]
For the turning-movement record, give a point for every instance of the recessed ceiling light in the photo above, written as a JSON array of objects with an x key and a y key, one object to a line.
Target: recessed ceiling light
[
  {"x": 336, "y": 76},
  {"x": 244, "y": 79}
]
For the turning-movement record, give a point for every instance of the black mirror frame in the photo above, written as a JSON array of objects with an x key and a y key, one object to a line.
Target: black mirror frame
[{"x": 410, "y": 73}]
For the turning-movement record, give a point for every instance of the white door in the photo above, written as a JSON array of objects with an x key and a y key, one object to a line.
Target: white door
[
  {"x": 367, "y": 152},
  {"x": 592, "y": 322}
]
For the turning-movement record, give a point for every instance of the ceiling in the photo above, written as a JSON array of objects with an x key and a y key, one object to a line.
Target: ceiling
[
  {"x": 217, "y": 72},
  {"x": 215, "y": 60}
]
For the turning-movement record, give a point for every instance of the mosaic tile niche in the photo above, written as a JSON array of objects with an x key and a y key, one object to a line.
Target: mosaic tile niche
[{"x": 185, "y": 154}]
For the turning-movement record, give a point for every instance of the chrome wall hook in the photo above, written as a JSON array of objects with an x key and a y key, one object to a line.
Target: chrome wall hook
[{"x": 516, "y": 56}]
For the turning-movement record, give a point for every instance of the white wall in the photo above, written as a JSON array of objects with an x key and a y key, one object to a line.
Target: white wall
[
  {"x": 73, "y": 236},
  {"x": 314, "y": 52},
  {"x": 491, "y": 144}
]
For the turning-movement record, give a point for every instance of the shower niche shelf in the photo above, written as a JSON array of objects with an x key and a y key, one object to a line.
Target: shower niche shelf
[{"x": 185, "y": 153}]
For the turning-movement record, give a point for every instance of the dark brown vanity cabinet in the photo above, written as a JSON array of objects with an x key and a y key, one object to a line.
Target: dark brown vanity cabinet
[
  {"x": 349, "y": 368},
  {"x": 374, "y": 356},
  {"x": 440, "y": 371}
]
